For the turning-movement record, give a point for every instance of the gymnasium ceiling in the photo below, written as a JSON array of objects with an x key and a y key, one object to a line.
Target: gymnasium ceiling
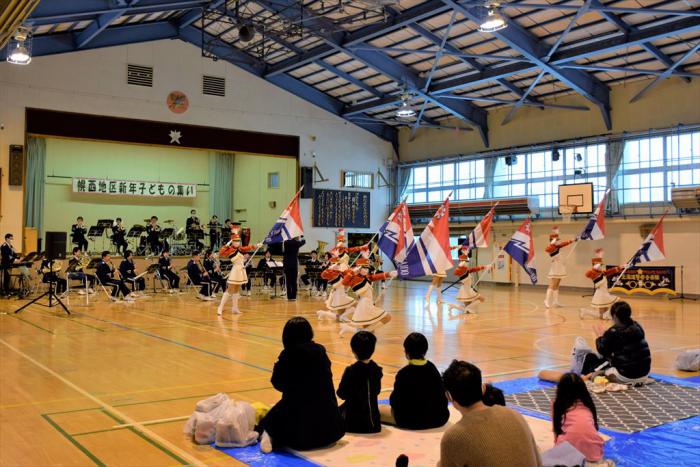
[{"x": 356, "y": 58}]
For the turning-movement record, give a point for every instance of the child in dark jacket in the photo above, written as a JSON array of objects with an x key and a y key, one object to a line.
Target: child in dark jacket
[
  {"x": 360, "y": 387},
  {"x": 418, "y": 401}
]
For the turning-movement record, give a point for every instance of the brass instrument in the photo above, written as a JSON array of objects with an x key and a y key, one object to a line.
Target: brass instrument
[
  {"x": 56, "y": 267},
  {"x": 321, "y": 248}
]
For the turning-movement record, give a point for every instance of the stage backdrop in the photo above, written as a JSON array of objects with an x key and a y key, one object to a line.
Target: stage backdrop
[{"x": 67, "y": 158}]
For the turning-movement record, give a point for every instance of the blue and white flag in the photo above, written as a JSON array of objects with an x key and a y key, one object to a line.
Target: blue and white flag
[
  {"x": 288, "y": 224},
  {"x": 522, "y": 249},
  {"x": 431, "y": 253},
  {"x": 396, "y": 235}
]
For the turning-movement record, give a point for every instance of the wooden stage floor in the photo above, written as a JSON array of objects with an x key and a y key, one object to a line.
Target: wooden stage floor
[{"x": 69, "y": 384}]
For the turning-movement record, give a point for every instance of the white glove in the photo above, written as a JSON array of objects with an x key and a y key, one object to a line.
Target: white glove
[
  {"x": 259, "y": 245},
  {"x": 393, "y": 274}
]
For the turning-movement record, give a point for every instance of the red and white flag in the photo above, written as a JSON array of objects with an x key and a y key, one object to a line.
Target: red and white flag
[
  {"x": 595, "y": 228},
  {"x": 396, "y": 235},
  {"x": 431, "y": 252},
  {"x": 288, "y": 224},
  {"x": 479, "y": 237},
  {"x": 652, "y": 248}
]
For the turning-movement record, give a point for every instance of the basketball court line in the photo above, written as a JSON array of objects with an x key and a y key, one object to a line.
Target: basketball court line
[{"x": 108, "y": 408}]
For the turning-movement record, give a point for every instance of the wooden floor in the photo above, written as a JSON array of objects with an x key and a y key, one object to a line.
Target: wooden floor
[{"x": 69, "y": 383}]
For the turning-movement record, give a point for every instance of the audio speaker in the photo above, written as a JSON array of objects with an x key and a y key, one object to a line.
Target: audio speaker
[
  {"x": 16, "y": 165},
  {"x": 56, "y": 245},
  {"x": 307, "y": 179}
]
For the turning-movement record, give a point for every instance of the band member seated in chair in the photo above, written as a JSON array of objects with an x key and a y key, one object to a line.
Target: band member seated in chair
[
  {"x": 167, "y": 271},
  {"x": 47, "y": 275},
  {"x": 105, "y": 273},
  {"x": 8, "y": 256},
  {"x": 153, "y": 236},
  {"x": 211, "y": 265},
  {"x": 198, "y": 275},
  {"x": 78, "y": 232},
  {"x": 119, "y": 236},
  {"x": 266, "y": 265},
  {"x": 75, "y": 271},
  {"x": 127, "y": 269}
]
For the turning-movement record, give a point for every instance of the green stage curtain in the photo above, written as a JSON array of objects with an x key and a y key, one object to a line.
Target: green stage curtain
[
  {"x": 34, "y": 176},
  {"x": 221, "y": 168}
]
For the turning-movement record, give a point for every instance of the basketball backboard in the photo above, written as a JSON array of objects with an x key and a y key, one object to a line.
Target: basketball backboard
[{"x": 576, "y": 195}]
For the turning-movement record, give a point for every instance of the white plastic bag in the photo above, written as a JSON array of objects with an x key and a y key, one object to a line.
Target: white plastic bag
[
  {"x": 578, "y": 354},
  {"x": 688, "y": 360},
  {"x": 209, "y": 404},
  {"x": 235, "y": 427}
]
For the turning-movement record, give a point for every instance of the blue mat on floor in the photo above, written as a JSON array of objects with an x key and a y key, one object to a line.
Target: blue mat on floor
[{"x": 679, "y": 441}]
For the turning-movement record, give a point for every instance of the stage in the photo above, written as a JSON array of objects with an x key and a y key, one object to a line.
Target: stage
[{"x": 108, "y": 385}]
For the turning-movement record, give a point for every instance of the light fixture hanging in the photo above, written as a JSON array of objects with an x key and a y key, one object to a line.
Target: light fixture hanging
[
  {"x": 19, "y": 49},
  {"x": 405, "y": 110},
  {"x": 493, "y": 21}
]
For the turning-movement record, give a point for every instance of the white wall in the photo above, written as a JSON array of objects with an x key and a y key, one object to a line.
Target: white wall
[{"x": 95, "y": 82}]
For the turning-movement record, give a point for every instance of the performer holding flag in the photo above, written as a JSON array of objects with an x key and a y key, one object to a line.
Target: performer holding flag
[
  {"x": 521, "y": 248},
  {"x": 602, "y": 298},
  {"x": 289, "y": 231},
  {"x": 557, "y": 269},
  {"x": 238, "y": 276},
  {"x": 469, "y": 298}
]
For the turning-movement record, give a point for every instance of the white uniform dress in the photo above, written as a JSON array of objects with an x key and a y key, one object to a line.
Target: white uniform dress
[
  {"x": 602, "y": 298},
  {"x": 338, "y": 299},
  {"x": 466, "y": 292},
  {"x": 366, "y": 312},
  {"x": 557, "y": 269},
  {"x": 237, "y": 275}
]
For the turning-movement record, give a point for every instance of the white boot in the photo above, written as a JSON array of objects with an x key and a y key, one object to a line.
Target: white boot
[
  {"x": 548, "y": 298},
  {"x": 427, "y": 294},
  {"x": 555, "y": 298},
  {"x": 234, "y": 303},
  {"x": 373, "y": 327},
  {"x": 440, "y": 301},
  {"x": 346, "y": 328},
  {"x": 606, "y": 315},
  {"x": 345, "y": 317},
  {"x": 454, "y": 306},
  {"x": 588, "y": 312},
  {"x": 472, "y": 308},
  {"x": 265, "y": 443},
  {"x": 325, "y": 314},
  {"x": 224, "y": 298}
]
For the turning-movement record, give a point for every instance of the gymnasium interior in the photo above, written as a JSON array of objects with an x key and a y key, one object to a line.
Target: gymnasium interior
[{"x": 549, "y": 150}]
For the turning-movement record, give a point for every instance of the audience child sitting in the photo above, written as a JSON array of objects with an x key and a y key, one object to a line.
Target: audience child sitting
[
  {"x": 574, "y": 417},
  {"x": 360, "y": 387},
  {"x": 485, "y": 436},
  {"x": 418, "y": 400},
  {"x": 307, "y": 416}
]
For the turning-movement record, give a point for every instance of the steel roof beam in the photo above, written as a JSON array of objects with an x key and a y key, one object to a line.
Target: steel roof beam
[
  {"x": 610, "y": 9},
  {"x": 99, "y": 24},
  {"x": 196, "y": 13},
  {"x": 666, "y": 73}
]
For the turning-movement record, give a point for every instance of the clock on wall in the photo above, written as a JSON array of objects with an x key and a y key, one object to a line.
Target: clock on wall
[{"x": 177, "y": 102}]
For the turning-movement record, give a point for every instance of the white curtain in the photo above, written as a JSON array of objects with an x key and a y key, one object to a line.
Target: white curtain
[
  {"x": 34, "y": 176},
  {"x": 614, "y": 153},
  {"x": 403, "y": 177},
  {"x": 489, "y": 174},
  {"x": 221, "y": 166}
]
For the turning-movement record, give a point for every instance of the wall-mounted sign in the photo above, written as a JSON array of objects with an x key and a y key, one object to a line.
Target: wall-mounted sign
[
  {"x": 103, "y": 186},
  {"x": 650, "y": 280}
]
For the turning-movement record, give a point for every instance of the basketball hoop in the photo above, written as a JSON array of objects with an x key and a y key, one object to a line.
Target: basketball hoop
[{"x": 566, "y": 212}]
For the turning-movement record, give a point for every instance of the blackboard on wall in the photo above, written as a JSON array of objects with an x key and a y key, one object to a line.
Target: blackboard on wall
[{"x": 338, "y": 208}]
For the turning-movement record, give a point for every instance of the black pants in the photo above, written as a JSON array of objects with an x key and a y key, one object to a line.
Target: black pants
[
  {"x": 6, "y": 280},
  {"x": 269, "y": 279},
  {"x": 214, "y": 241},
  {"x": 205, "y": 288},
  {"x": 81, "y": 243},
  {"x": 591, "y": 362},
  {"x": 117, "y": 286},
  {"x": 321, "y": 284},
  {"x": 290, "y": 275},
  {"x": 172, "y": 278},
  {"x": 305, "y": 279},
  {"x": 122, "y": 245},
  {"x": 219, "y": 282},
  {"x": 138, "y": 284},
  {"x": 84, "y": 278},
  {"x": 60, "y": 284}
]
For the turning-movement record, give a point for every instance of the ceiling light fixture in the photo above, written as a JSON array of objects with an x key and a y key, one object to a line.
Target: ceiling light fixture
[
  {"x": 405, "y": 110},
  {"x": 493, "y": 21},
  {"x": 19, "y": 49}
]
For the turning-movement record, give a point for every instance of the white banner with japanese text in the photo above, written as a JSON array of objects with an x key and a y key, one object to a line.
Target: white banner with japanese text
[{"x": 104, "y": 186}]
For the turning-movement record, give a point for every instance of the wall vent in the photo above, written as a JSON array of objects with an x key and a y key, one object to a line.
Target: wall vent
[
  {"x": 213, "y": 86},
  {"x": 139, "y": 75}
]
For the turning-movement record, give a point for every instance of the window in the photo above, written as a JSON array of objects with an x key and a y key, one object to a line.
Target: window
[
  {"x": 354, "y": 179},
  {"x": 273, "y": 180}
]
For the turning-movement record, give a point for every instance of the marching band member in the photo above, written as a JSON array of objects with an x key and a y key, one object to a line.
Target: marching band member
[
  {"x": 105, "y": 273},
  {"x": 8, "y": 256},
  {"x": 265, "y": 266},
  {"x": 211, "y": 265},
  {"x": 167, "y": 271},
  {"x": 602, "y": 298},
  {"x": 153, "y": 236},
  {"x": 323, "y": 283},
  {"x": 199, "y": 276},
  {"x": 367, "y": 315},
  {"x": 311, "y": 263},
  {"x": 77, "y": 273},
  {"x": 78, "y": 232},
  {"x": 557, "y": 269},
  {"x": 469, "y": 298},
  {"x": 338, "y": 300},
  {"x": 214, "y": 232},
  {"x": 127, "y": 270},
  {"x": 52, "y": 276},
  {"x": 192, "y": 226},
  {"x": 118, "y": 236},
  {"x": 436, "y": 283},
  {"x": 238, "y": 276}
]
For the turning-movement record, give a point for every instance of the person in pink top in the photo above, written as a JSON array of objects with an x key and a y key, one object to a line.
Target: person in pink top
[{"x": 574, "y": 417}]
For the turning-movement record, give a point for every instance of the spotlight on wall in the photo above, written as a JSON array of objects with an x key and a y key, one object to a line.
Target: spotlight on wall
[
  {"x": 579, "y": 157},
  {"x": 246, "y": 33},
  {"x": 555, "y": 154},
  {"x": 493, "y": 21},
  {"x": 511, "y": 160},
  {"x": 19, "y": 49}
]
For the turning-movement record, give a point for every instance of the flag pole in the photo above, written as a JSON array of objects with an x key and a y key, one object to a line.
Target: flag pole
[
  {"x": 258, "y": 248},
  {"x": 373, "y": 237},
  {"x": 490, "y": 264}
]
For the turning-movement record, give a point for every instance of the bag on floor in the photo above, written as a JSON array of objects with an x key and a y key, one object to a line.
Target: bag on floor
[
  {"x": 578, "y": 354},
  {"x": 688, "y": 360},
  {"x": 235, "y": 428},
  {"x": 209, "y": 404}
]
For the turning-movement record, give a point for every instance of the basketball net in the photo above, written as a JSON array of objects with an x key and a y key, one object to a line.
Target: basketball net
[{"x": 566, "y": 212}]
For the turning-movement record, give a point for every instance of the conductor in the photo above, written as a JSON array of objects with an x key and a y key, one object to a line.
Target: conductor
[{"x": 291, "y": 265}]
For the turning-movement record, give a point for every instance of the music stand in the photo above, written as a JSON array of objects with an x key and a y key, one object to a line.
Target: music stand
[
  {"x": 166, "y": 233},
  {"x": 53, "y": 252}
]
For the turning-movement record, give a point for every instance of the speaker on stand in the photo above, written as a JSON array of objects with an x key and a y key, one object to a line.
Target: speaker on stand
[{"x": 307, "y": 179}]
